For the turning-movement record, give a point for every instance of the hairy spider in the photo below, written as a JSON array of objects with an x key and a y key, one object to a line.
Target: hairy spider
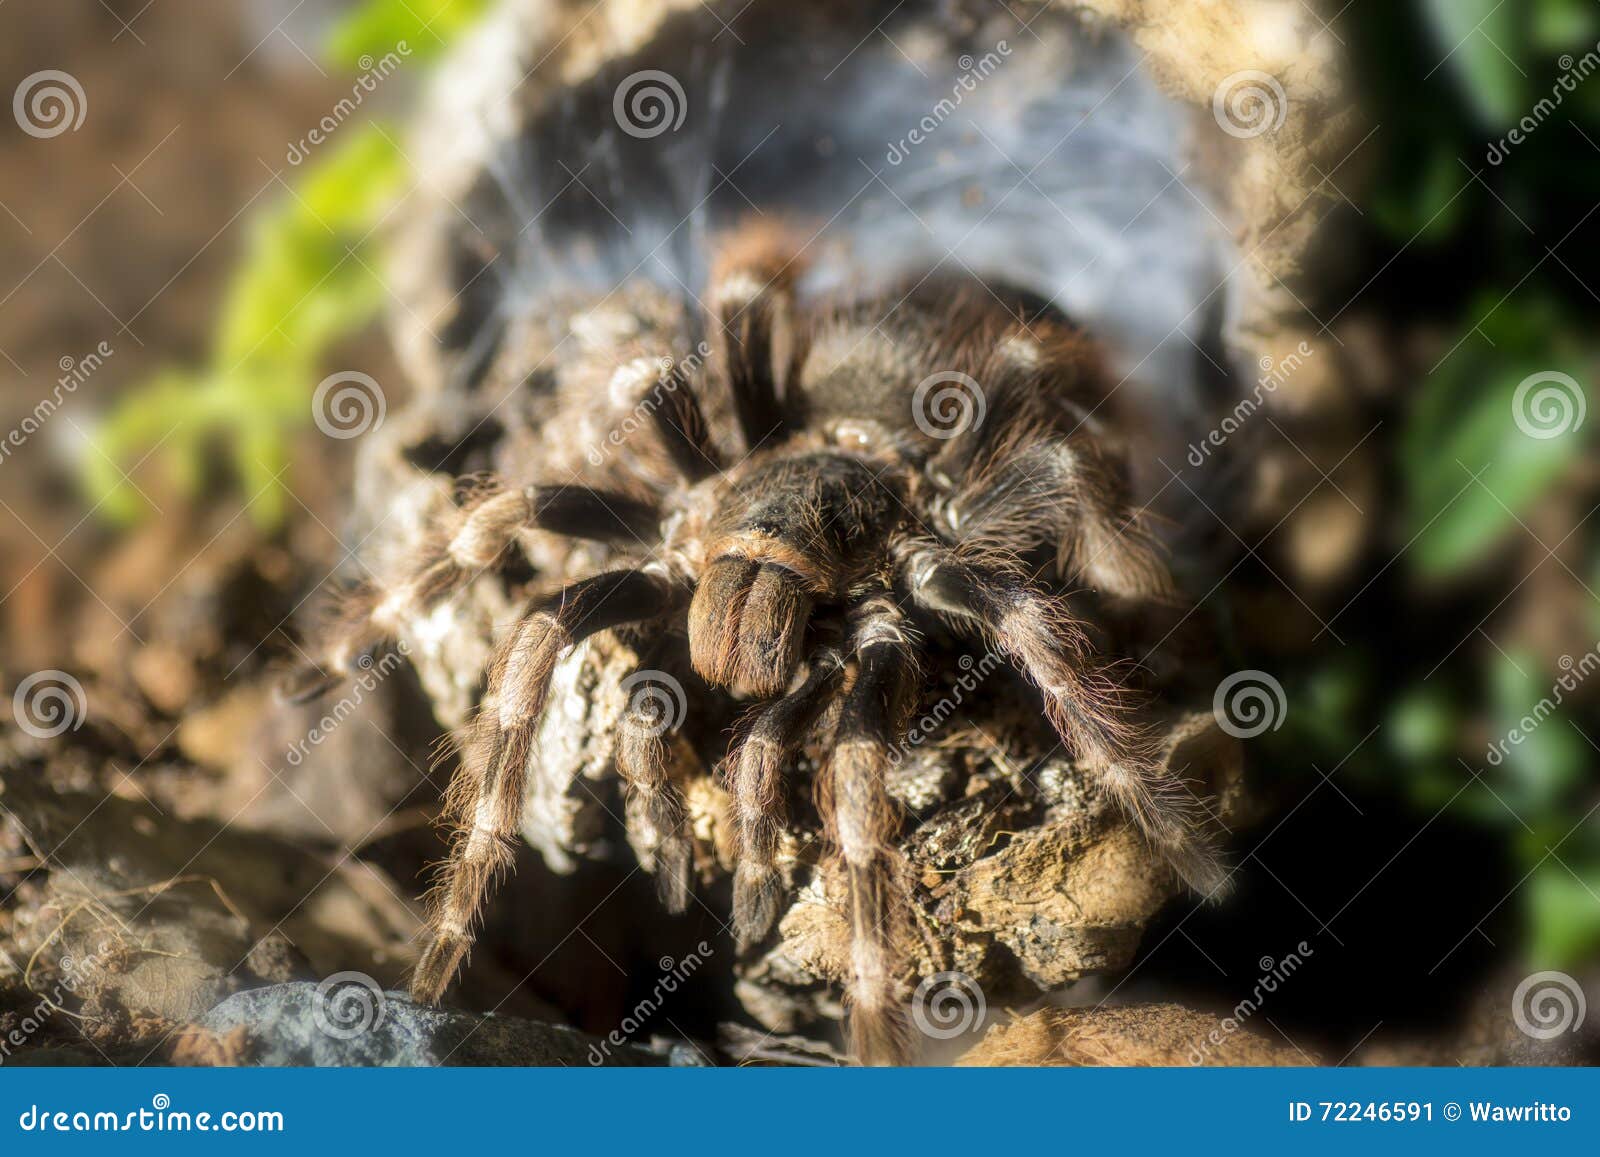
[{"x": 837, "y": 477}]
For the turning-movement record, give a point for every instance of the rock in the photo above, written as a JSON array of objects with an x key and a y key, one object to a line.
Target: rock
[
  {"x": 1134, "y": 1034},
  {"x": 344, "y": 768},
  {"x": 147, "y": 920},
  {"x": 356, "y": 1023},
  {"x": 1541, "y": 1018},
  {"x": 1025, "y": 883}
]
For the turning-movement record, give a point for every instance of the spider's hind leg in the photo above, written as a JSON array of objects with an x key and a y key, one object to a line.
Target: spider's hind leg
[
  {"x": 752, "y": 308},
  {"x": 1085, "y": 704},
  {"x": 1020, "y": 490}
]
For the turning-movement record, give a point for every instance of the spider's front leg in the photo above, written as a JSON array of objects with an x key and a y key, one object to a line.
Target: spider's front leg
[
  {"x": 468, "y": 541},
  {"x": 755, "y": 780},
  {"x": 485, "y": 798},
  {"x": 864, "y": 822}
]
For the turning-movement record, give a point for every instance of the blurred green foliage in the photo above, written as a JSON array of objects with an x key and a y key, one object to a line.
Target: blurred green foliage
[
  {"x": 1469, "y": 225},
  {"x": 375, "y": 27},
  {"x": 307, "y": 278},
  {"x": 1469, "y": 473}
]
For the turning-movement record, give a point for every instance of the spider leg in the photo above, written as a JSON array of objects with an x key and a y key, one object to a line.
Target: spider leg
[
  {"x": 1068, "y": 494},
  {"x": 644, "y": 760},
  {"x": 666, "y": 394},
  {"x": 1110, "y": 544},
  {"x": 471, "y": 540},
  {"x": 751, "y": 305},
  {"x": 1083, "y": 702},
  {"x": 755, "y": 779},
  {"x": 863, "y": 822},
  {"x": 485, "y": 798}
]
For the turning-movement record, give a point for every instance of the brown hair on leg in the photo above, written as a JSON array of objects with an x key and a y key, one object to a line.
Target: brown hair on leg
[
  {"x": 755, "y": 780},
  {"x": 1087, "y": 707},
  {"x": 484, "y": 803},
  {"x": 863, "y": 822}
]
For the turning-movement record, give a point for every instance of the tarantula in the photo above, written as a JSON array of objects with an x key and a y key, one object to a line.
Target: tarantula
[{"x": 815, "y": 505}]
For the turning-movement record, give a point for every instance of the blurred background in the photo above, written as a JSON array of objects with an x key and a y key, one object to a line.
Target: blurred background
[{"x": 1416, "y": 566}]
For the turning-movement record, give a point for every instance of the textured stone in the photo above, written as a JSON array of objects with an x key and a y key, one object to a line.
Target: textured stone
[{"x": 357, "y": 1024}]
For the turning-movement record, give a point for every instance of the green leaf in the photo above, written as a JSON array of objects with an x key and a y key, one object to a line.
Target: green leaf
[
  {"x": 1564, "y": 911},
  {"x": 158, "y": 414},
  {"x": 1559, "y": 24},
  {"x": 1429, "y": 201},
  {"x": 1542, "y": 756},
  {"x": 1423, "y": 724},
  {"x": 378, "y": 27},
  {"x": 308, "y": 278},
  {"x": 1324, "y": 708},
  {"x": 303, "y": 279},
  {"x": 1487, "y": 47},
  {"x": 1472, "y": 469}
]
